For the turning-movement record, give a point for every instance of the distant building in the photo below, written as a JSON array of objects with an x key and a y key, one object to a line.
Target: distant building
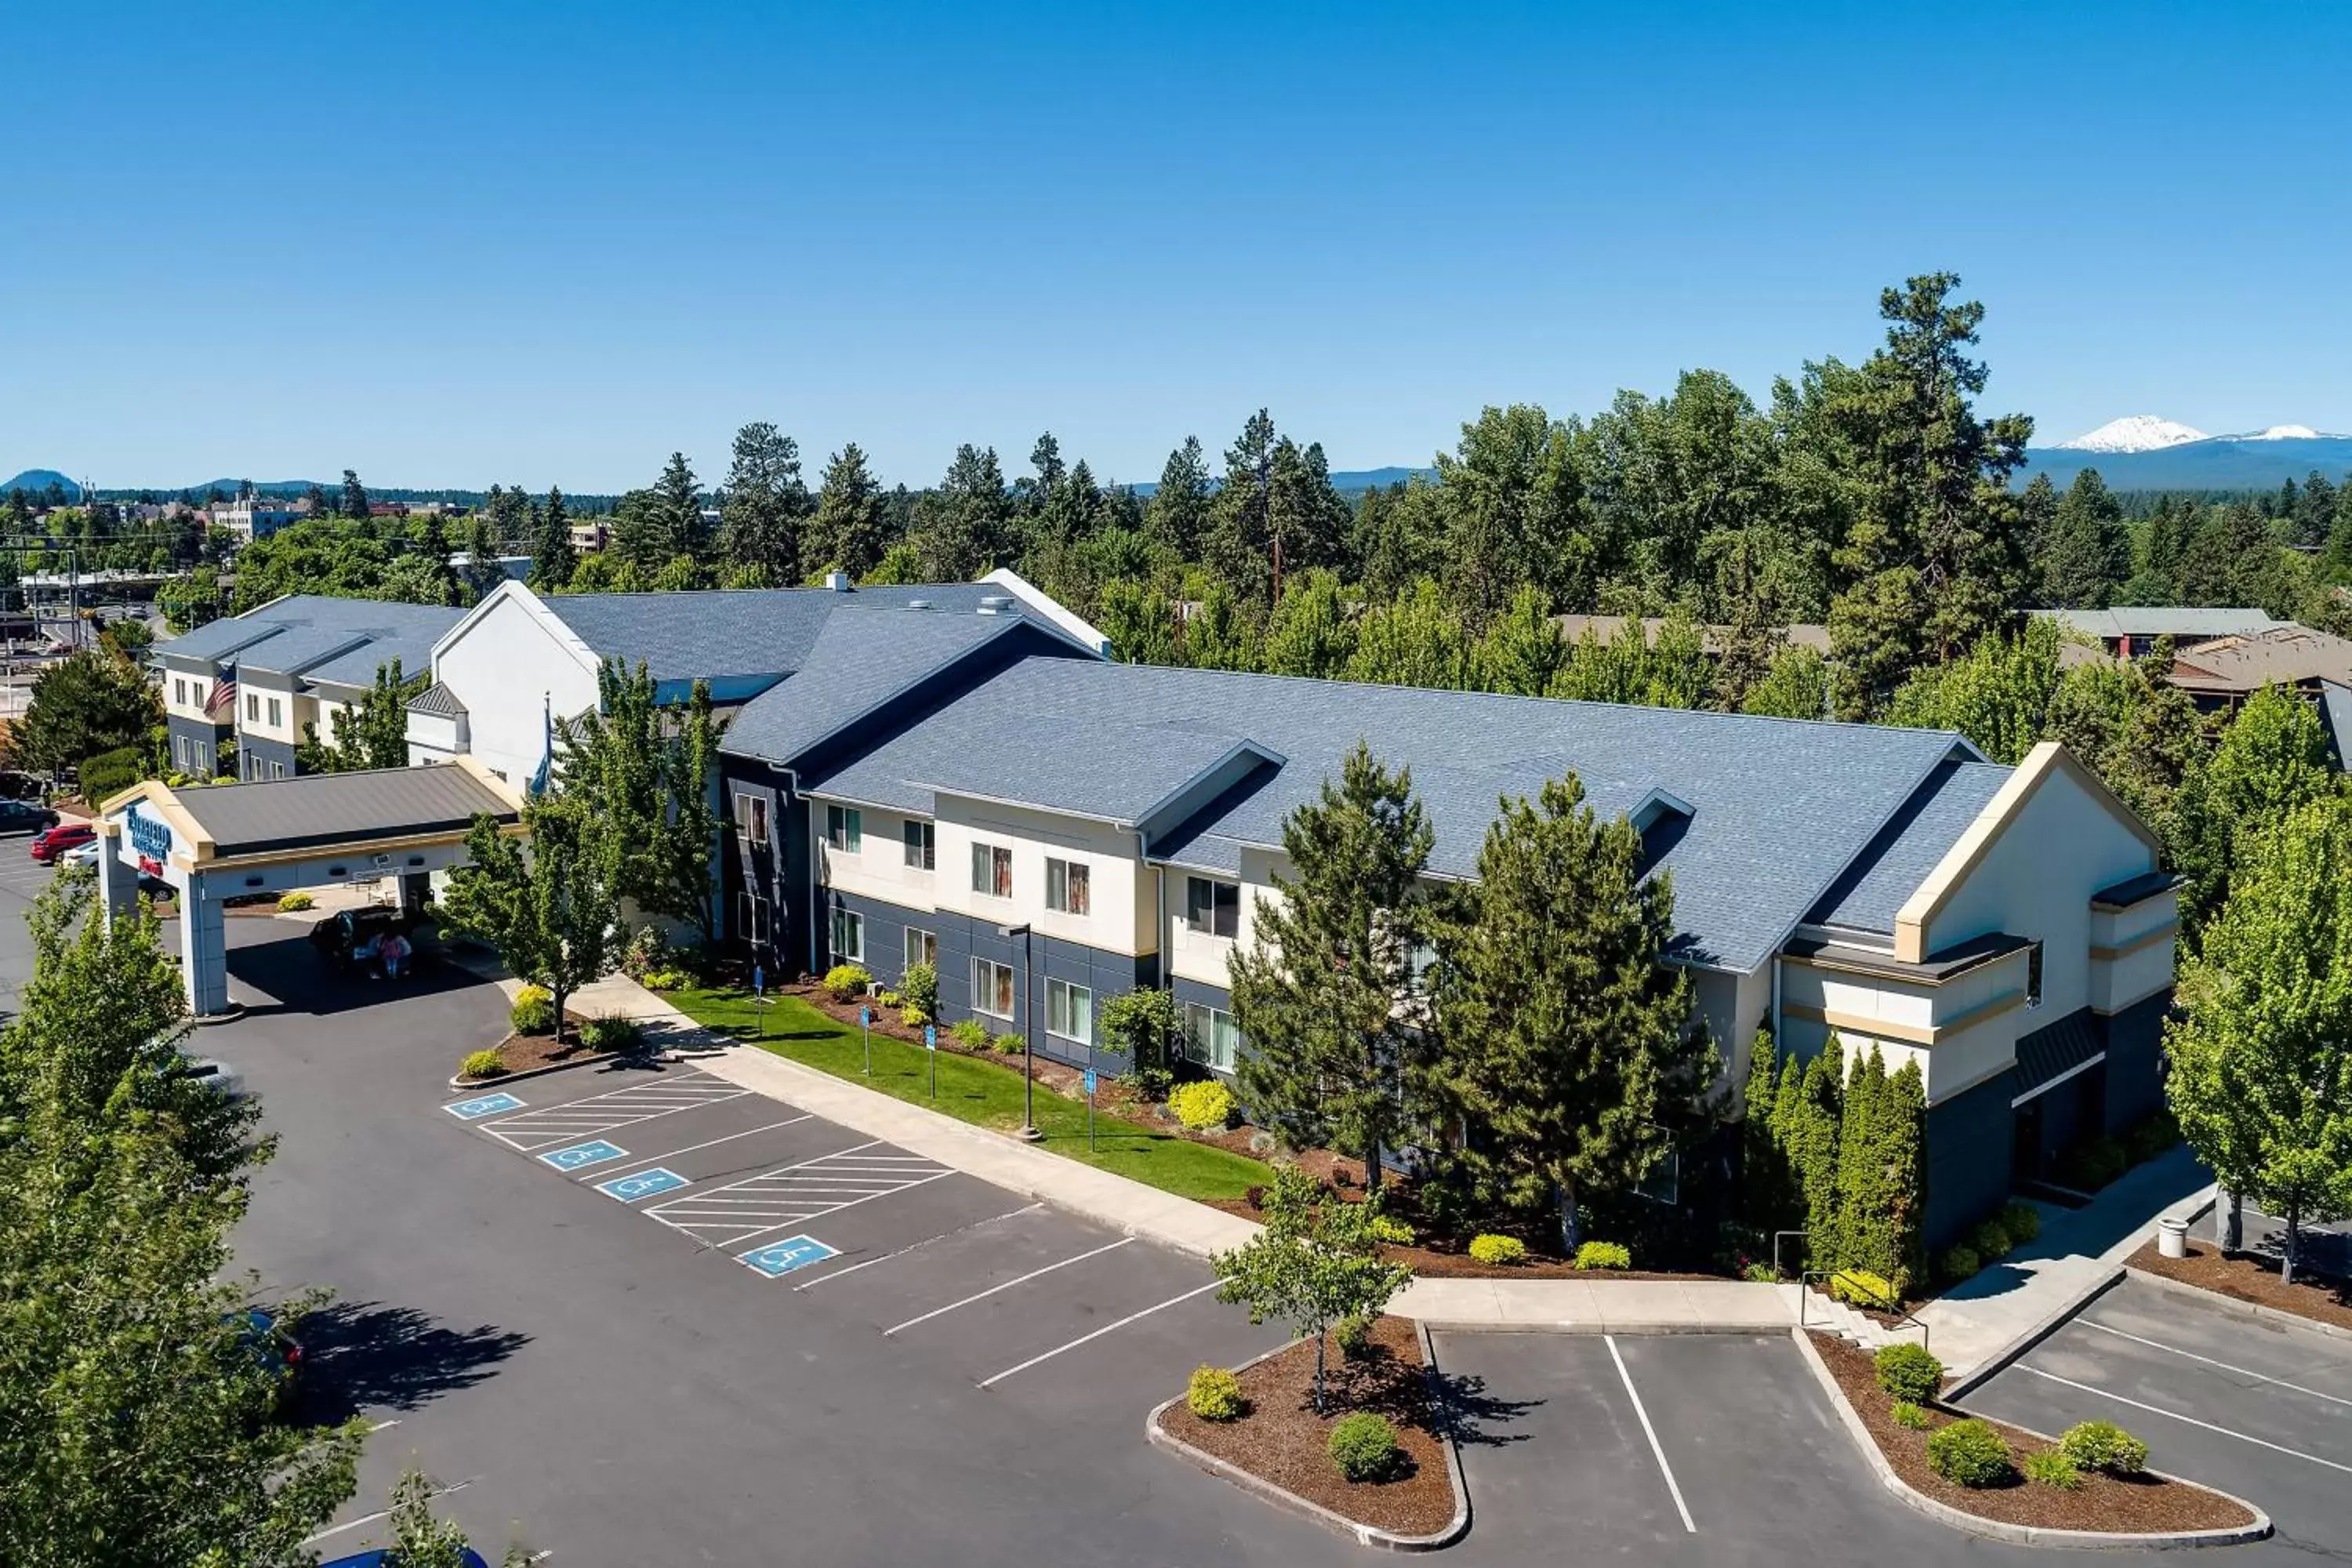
[
  {"x": 255, "y": 517},
  {"x": 589, "y": 537},
  {"x": 2129, "y": 631}
]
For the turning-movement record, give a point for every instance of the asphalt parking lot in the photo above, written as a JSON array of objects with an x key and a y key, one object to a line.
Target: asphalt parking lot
[
  {"x": 21, "y": 880},
  {"x": 605, "y": 1377},
  {"x": 2252, "y": 1406}
]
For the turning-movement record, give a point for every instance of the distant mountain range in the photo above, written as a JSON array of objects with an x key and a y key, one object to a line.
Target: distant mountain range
[
  {"x": 2148, "y": 452},
  {"x": 33, "y": 480}
]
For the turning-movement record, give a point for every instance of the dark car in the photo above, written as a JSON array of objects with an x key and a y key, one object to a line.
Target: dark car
[
  {"x": 52, "y": 842},
  {"x": 383, "y": 1558},
  {"x": 347, "y": 940},
  {"x": 26, "y": 816}
]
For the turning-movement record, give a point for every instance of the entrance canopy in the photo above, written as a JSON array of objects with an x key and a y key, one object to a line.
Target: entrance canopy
[{"x": 224, "y": 841}]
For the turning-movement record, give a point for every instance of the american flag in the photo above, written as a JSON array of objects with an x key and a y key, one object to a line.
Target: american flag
[{"x": 224, "y": 697}]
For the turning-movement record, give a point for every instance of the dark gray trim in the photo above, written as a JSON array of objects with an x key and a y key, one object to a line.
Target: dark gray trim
[{"x": 1970, "y": 1137}]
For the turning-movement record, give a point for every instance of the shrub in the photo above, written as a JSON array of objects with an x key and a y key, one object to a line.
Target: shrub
[
  {"x": 2021, "y": 1221},
  {"x": 1970, "y": 1454},
  {"x": 1351, "y": 1334},
  {"x": 2104, "y": 1446},
  {"x": 1759, "y": 1274},
  {"x": 2049, "y": 1467},
  {"x": 1960, "y": 1263},
  {"x": 648, "y": 951},
  {"x": 533, "y": 1012},
  {"x": 1860, "y": 1288},
  {"x": 920, "y": 986},
  {"x": 2093, "y": 1165},
  {"x": 1390, "y": 1231},
  {"x": 1364, "y": 1447},
  {"x": 971, "y": 1034},
  {"x": 1908, "y": 1372},
  {"x": 1202, "y": 1106},
  {"x": 1213, "y": 1393},
  {"x": 1498, "y": 1251},
  {"x": 886, "y": 999},
  {"x": 847, "y": 982},
  {"x": 913, "y": 1018},
  {"x": 1991, "y": 1240},
  {"x": 1008, "y": 1044},
  {"x": 666, "y": 979},
  {"x": 490, "y": 1063},
  {"x": 293, "y": 903},
  {"x": 1906, "y": 1413},
  {"x": 612, "y": 1033},
  {"x": 1604, "y": 1255},
  {"x": 2152, "y": 1137}
]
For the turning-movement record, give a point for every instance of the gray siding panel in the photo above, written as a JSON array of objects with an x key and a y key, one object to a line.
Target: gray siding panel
[
  {"x": 204, "y": 738},
  {"x": 1969, "y": 1139},
  {"x": 2135, "y": 1061},
  {"x": 255, "y": 753}
]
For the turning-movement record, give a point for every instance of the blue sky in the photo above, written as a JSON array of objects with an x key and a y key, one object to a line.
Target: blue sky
[{"x": 453, "y": 243}]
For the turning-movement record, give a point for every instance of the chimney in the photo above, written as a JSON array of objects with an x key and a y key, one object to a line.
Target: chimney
[
  {"x": 837, "y": 581},
  {"x": 919, "y": 604}
]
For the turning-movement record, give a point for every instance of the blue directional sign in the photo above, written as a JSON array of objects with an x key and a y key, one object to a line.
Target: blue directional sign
[
  {"x": 642, "y": 1184},
  {"x": 931, "y": 1037},
  {"x": 580, "y": 1155},
  {"x": 779, "y": 1258},
  {"x": 483, "y": 1105},
  {"x": 865, "y": 1016}
]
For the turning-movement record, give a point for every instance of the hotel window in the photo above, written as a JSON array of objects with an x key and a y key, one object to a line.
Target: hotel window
[
  {"x": 252, "y": 708},
  {"x": 180, "y": 691},
  {"x": 752, "y": 819},
  {"x": 2034, "y": 975},
  {"x": 1070, "y": 1011},
  {"x": 921, "y": 845},
  {"x": 1213, "y": 907},
  {"x": 992, "y": 988},
  {"x": 1211, "y": 1037},
  {"x": 845, "y": 828},
  {"x": 276, "y": 713},
  {"x": 848, "y": 936},
  {"x": 922, "y": 947},
  {"x": 992, "y": 870},
  {"x": 1066, "y": 883},
  {"x": 753, "y": 910}
]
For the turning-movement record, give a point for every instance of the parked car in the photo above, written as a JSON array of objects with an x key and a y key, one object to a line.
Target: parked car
[
  {"x": 26, "y": 816},
  {"x": 52, "y": 842},
  {"x": 348, "y": 940},
  {"x": 83, "y": 854},
  {"x": 219, "y": 1077},
  {"x": 383, "y": 1558}
]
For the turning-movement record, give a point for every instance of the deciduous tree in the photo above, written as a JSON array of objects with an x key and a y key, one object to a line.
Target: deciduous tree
[
  {"x": 1316, "y": 1263},
  {"x": 551, "y": 911}
]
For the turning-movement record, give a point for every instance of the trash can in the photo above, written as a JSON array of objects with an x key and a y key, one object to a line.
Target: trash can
[{"x": 2172, "y": 1238}]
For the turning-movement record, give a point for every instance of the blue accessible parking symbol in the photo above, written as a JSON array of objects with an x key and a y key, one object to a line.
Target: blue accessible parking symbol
[
  {"x": 780, "y": 1257},
  {"x": 483, "y": 1105},
  {"x": 583, "y": 1154},
  {"x": 642, "y": 1184}
]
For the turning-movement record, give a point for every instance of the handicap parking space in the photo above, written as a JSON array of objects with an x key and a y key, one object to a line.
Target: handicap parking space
[
  {"x": 2259, "y": 1408},
  {"x": 1699, "y": 1448}
]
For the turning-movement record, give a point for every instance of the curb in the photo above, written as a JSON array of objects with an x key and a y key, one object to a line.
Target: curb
[
  {"x": 1594, "y": 1327},
  {"x": 2049, "y": 1323},
  {"x": 1315, "y": 1512},
  {"x": 2021, "y": 1534},
  {"x": 2230, "y": 1304},
  {"x": 593, "y": 1061}
]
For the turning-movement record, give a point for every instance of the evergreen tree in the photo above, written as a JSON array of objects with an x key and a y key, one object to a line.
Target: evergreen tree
[
  {"x": 1310, "y": 633},
  {"x": 1306, "y": 516},
  {"x": 1770, "y": 1198},
  {"x": 677, "y": 511},
  {"x": 1795, "y": 686},
  {"x": 1178, "y": 514},
  {"x": 371, "y": 733},
  {"x": 1903, "y": 1157},
  {"x": 760, "y": 520},
  {"x": 849, "y": 530},
  {"x": 971, "y": 532},
  {"x": 1805, "y": 1117},
  {"x": 483, "y": 572},
  {"x": 354, "y": 497},
  {"x": 1567, "y": 1043},
  {"x": 1327, "y": 994},
  {"x": 1238, "y": 542},
  {"x": 1140, "y": 623},
  {"x": 90, "y": 702},
  {"x": 2261, "y": 1051},
  {"x": 2037, "y": 520},
  {"x": 1998, "y": 696},
  {"x": 553, "y": 557},
  {"x": 2088, "y": 555}
]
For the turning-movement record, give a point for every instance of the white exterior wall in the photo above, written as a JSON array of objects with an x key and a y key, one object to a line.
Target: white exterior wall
[
  {"x": 1124, "y": 902},
  {"x": 198, "y": 691},
  {"x": 257, "y": 700},
  {"x": 1977, "y": 1016},
  {"x": 507, "y": 664},
  {"x": 2036, "y": 881},
  {"x": 2141, "y": 939},
  {"x": 880, "y": 870}
]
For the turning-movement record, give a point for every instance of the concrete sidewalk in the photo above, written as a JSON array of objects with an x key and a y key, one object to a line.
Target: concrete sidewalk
[{"x": 2078, "y": 1251}]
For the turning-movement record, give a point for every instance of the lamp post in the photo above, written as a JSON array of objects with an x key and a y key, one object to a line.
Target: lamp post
[{"x": 1027, "y": 1131}]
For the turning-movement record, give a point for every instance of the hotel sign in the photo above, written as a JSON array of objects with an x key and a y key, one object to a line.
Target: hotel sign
[{"x": 151, "y": 837}]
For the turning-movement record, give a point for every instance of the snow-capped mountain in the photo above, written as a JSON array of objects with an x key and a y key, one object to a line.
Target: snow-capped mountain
[
  {"x": 2284, "y": 433},
  {"x": 2138, "y": 432}
]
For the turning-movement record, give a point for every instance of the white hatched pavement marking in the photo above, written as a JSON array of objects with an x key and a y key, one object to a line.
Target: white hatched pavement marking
[
  {"x": 793, "y": 1194},
  {"x": 536, "y": 1130}
]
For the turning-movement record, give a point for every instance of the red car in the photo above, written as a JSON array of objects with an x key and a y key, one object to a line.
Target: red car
[{"x": 51, "y": 843}]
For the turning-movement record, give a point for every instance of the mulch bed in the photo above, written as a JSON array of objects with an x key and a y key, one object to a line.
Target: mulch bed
[
  {"x": 1282, "y": 1440},
  {"x": 2251, "y": 1279},
  {"x": 524, "y": 1052},
  {"x": 2141, "y": 1504}
]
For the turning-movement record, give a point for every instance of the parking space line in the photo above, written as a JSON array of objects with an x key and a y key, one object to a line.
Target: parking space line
[
  {"x": 1652, "y": 1432},
  {"x": 381, "y": 1513},
  {"x": 2188, "y": 1420},
  {"x": 536, "y": 1130},
  {"x": 2208, "y": 1361},
  {"x": 1106, "y": 1328},
  {"x": 714, "y": 1142},
  {"x": 1007, "y": 1285},
  {"x": 916, "y": 1246},
  {"x": 790, "y": 1195},
  {"x": 832, "y": 1209}
]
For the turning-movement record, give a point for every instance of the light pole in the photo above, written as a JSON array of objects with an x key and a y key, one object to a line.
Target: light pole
[{"x": 1027, "y": 1131}]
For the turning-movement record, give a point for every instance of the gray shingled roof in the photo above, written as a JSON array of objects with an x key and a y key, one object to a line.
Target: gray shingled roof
[
  {"x": 1912, "y": 844},
  {"x": 2162, "y": 620},
  {"x": 742, "y": 632},
  {"x": 321, "y": 810},
  {"x": 288, "y": 635},
  {"x": 294, "y": 649},
  {"x": 1780, "y": 807},
  {"x": 358, "y": 668},
  {"x": 862, "y": 658},
  {"x": 437, "y": 700}
]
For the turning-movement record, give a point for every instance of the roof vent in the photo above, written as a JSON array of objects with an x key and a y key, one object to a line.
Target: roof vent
[
  {"x": 919, "y": 604},
  {"x": 998, "y": 604},
  {"x": 837, "y": 581}
]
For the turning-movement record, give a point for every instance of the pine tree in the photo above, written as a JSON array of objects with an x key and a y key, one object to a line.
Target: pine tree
[
  {"x": 848, "y": 531},
  {"x": 354, "y": 496},
  {"x": 765, "y": 500},
  {"x": 2086, "y": 555},
  {"x": 1324, "y": 993},
  {"x": 1566, "y": 1038},
  {"x": 553, "y": 557},
  {"x": 1512, "y": 506},
  {"x": 1178, "y": 513},
  {"x": 1238, "y": 542},
  {"x": 677, "y": 511},
  {"x": 971, "y": 532}
]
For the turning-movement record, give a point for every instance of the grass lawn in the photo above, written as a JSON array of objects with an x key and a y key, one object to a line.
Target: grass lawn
[{"x": 975, "y": 1092}]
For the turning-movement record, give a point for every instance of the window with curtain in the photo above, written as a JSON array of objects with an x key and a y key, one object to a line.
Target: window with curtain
[{"x": 1070, "y": 1011}]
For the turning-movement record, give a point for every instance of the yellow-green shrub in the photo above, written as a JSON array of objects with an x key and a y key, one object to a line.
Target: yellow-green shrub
[
  {"x": 488, "y": 1063},
  {"x": 1213, "y": 1393},
  {"x": 293, "y": 903},
  {"x": 1498, "y": 1251},
  {"x": 533, "y": 1012},
  {"x": 1203, "y": 1105},
  {"x": 1604, "y": 1255},
  {"x": 847, "y": 982}
]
